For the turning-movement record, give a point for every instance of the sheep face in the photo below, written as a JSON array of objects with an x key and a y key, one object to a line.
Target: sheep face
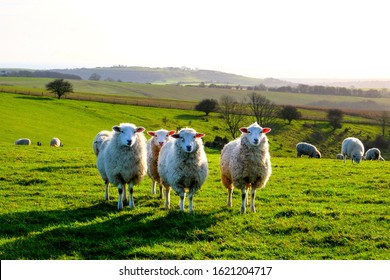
[
  {"x": 187, "y": 139},
  {"x": 255, "y": 133},
  {"x": 160, "y": 137},
  {"x": 127, "y": 133},
  {"x": 357, "y": 158}
]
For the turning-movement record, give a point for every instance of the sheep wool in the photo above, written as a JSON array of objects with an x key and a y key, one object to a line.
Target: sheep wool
[
  {"x": 23, "y": 141},
  {"x": 99, "y": 140},
  {"x": 246, "y": 163},
  {"x": 55, "y": 142},
  {"x": 123, "y": 160},
  {"x": 352, "y": 148},
  {"x": 183, "y": 165},
  {"x": 153, "y": 147},
  {"x": 310, "y": 150},
  {"x": 373, "y": 154}
]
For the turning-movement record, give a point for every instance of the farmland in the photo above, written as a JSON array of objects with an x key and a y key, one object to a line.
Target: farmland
[{"x": 53, "y": 208}]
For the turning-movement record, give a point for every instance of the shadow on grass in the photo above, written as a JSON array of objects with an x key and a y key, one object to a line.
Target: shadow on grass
[{"x": 35, "y": 98}]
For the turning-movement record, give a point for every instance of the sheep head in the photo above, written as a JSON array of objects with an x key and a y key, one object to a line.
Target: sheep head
[
  {"x": 127, "y": 133},
  {"x": 187, "y": 139},
  {"x": 254, "y": 133}
]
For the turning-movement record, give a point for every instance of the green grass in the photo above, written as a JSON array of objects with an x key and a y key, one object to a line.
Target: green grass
[{"x": 53, "y": 207}]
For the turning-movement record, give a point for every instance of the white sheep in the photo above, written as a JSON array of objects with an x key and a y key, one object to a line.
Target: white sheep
[
  {"x": 99, "y": 140},
  {"x": 123, "y": 160},
  {"x": 23, "y": 141},
  {"x": 55, "y": 142},
  {"x": 308, "y": 149},
  {"x": 373, "y": 154},
  {"x": 153, "y": 147},
  {"x": 353, "y": 148},
  {"x": 183, "y": 165},
  {"x": 339, "y": 156},
  {"x": 245, "y": 163}
]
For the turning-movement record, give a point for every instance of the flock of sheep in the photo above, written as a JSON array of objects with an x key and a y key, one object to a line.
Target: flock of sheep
[{"x": 54, "y": 142}]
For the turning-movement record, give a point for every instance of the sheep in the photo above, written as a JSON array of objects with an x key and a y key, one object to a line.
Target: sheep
[
  {"x": 153, "y": 147},
  {"x": 304, "y": 148},
  {"x": 339, "y": 156},
  {"x": 99, "y": 140},
  {"x": 373, "y": 153},
  {"x": 55, "y": 142},
  {"x": 183, "y": 165},
  {"x": 23, "y": 141},
  {"x": 246, "y": 163},
  {"x": 353, "y": 148},
  {"x": 123, "y": 160}
]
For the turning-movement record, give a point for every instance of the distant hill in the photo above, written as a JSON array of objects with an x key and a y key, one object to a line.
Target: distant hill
[
  {"x": 347, "y": 83},
  {"x": 170, "y": 75}
]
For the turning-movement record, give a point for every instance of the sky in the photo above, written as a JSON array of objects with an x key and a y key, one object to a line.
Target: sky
[{"x": 256, "y": 38}]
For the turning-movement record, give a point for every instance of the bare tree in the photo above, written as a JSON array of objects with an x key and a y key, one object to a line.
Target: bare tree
[
  {"x": 232, "y": 114},
  {"x": 384, "y": 120},
  {"x": 263, "y": 109}
]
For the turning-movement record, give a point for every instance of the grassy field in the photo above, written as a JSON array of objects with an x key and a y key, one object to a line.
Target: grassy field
[{"x": 53, "y": 207}]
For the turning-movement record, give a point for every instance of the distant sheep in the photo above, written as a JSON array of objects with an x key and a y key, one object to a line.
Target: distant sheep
[
  {"x": 352, "y": 148},
  {"x": 245, "y": 163},
  {"x": 153, "y": 147},
  {"x": 310, "y": 150},
  {"x": 99, "y": 140},
  {"x": 183, "y": 165},
  {"x": 23, "y": 141},
  {"x": 339, "y": 156},
  {"x": 123, "y": 160},
  {"x": 373, "y": 154},
  {"x": 55, "y": 142}
]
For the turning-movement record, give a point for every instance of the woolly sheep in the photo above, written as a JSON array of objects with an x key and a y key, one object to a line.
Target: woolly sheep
[
  {"x": 353, "y": 148},
  {"x": 183, "y": 165},
  {"x": 23, "y": 141},
  {"x": 123, "y": 160},
  {"x": 339, "y": 156},
  {"x": 245, "y": 163},
  {"x": 55, "y": 142},
  {"x": 153, "y": 147},
  {"x": 373, "y": 153},
  {"x": 99, "y": 140},
  {"x": 310, "y": 150}
]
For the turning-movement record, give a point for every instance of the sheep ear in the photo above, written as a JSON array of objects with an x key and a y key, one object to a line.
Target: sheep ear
[
  {"x": 266, "y": 130},
  {"x": 199, "y": 135},
  {"x": 116, "y": 128},
  {"x": 171, "y": 132},
  {"x": 140, "y": 129},
  {"x": 151, "y": 133},
  {"x": 244, "y": 130},
  {"x": 176, "y": 135}
]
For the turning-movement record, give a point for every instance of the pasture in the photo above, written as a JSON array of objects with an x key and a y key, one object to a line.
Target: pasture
[{"x": 53, "y": 207}]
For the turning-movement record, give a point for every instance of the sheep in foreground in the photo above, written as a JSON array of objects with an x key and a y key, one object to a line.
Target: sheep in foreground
[
  {"x": 310, "y": 150},
  {"x": 352, "y": 148},
  {"x": 373, "y": 154},
  {"x": 339, "y": 156},
  {"x": 99, "y": 140},
  {"x": 123, "y": 160},
  {"x": 183, "y": 165},
  {"x": 245, "y": 163},
  {"x": 153, "y": 147},
  {"x": 23, "y": 141},
  {"x": 55, "y": 142}
]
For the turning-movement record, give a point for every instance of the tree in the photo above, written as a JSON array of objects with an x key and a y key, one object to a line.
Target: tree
[
  {"x": 95, "y": 77},
  {"x": 290, "y": 113},
  {"x": 232, "y": 114},
  {"x": 262, "y": 108},
  {"x": 335, "y": 117},
  {"x": 207, "y": 106},
  {"x": 59, "y": 87},
  {"x": 384, "y": 120}
]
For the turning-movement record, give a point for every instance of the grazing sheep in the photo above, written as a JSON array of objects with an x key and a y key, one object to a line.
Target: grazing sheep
[
  {"x": 310, "y": 150},
  {"x": 122, "y": 160},
  {"x": 99, "y": 140},
  {"x": 183, "y": 165},
  {"x": 373, "y": 154},
  {"x": 55, "y": 142},
  {"x": 245, "y": 163},
  {"x": 353, "y": 148},
  {"x": 153, "y": 147},
  {"x": 339, "y": 156},
  {"x": 23, "y": 141}
]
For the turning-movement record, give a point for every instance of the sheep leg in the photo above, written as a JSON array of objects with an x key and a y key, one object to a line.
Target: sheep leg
[
  {"x": 161, "y": 191},
  {"x": 228, "y": 184},
  {"x": 253, "y": 209},
  {"x": 153, "y": 187},
  {"x": 124, "y": 192},
  {"x": 230, "y": 197},
  {"x": 167, "y": 197},
  {"x": 120, "y": 197},
  {"x": 190, "y": 197},
  {"x": 244, "y": 196},
  {"x": 131, "y": 198},
  {"x": 182, "y": 198},
  {"x": 106, "y": 192}
]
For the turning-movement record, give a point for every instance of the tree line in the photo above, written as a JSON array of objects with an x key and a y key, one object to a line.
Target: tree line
[{"x": 39, "y": 74}]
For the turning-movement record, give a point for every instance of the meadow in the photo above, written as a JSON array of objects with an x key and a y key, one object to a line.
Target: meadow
[{"x": 53, "y": 207}]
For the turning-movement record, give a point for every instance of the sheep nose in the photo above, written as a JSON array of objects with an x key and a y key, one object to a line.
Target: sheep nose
[
  {"x": 188, "y": 148},
  {"x": 129, "y": 142},
  {"x": 161, "y": 143},
  {"x": 256, "y": 141}
]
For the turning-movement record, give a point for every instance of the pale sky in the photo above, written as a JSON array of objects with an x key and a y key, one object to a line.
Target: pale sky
[{"x": 255, "y": 38}]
